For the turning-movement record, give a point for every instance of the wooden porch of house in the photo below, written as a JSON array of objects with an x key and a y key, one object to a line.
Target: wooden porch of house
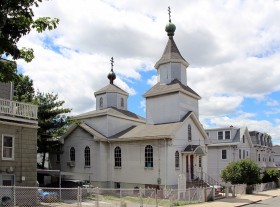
[{"x": 13, "y": 109}]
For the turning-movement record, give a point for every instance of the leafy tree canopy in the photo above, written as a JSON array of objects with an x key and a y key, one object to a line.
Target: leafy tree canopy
[
  {"x": 242, "y": 172},
  {"x": 270, "y": 175},
  {"x": 16, "y": 21},
  {"x": 24, "y": 90}
]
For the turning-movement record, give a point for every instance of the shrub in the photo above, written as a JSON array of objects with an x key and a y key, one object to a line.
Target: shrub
[{"x": 241, "y": 172}]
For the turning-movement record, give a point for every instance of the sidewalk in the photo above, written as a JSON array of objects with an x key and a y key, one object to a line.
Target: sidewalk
[{"x": 240, "y": 200}]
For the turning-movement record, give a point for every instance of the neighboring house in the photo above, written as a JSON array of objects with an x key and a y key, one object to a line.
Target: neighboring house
[
  {"x": 227, "y": 145},
  {"x": 18, "y": 146},
  {"x": 230, "y": 144},
  {"x": 276, "y": 150},
  {"x": 113, "y": 147},
  {"x": 263, "y": 151}
]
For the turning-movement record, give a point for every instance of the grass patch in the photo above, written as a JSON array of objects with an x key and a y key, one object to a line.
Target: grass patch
[{"x": 146, "y": 201}]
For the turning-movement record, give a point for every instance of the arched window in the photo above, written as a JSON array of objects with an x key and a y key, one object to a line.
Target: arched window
[
  {"x": 72, "y": 154},
  {"x": 101, "y": 102},
  {"x": 176, "y": 159},
  {"x": 122, "y": 102},
  {"x": 189, "y": 132},
  {"x": 87, "y": 156},
  {"x": 149, "y": 156},
  {"x": 118, "y": 157}
]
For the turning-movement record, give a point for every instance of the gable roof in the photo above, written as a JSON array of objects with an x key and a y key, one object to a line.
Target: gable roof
[
  {"x": 111, "y": 88},
  {"x": 171, "y": 54},
  {"x": 242, "y": 131},
  {"x": 157, "y": 131},
  {"x": 97, "y": 135},
  {"x": 110, "y": 111},
  {"x": 172, "y": 87},
  {"x": 194, "y": 149},
  {"x": 147, "y": 131},
  {"x": 236, "y": 138}
]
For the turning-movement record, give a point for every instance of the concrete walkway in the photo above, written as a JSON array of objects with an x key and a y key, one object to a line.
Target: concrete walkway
[{"x": 240, "y": 200}]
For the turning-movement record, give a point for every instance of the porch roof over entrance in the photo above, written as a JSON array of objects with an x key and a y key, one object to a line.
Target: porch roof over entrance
[{"x": 194, "y": 149}]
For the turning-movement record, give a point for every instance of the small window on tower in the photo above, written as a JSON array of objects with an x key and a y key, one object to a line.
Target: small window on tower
[
  {"x": 101, "y": 102},
  {"x": 122, "y": 102}
]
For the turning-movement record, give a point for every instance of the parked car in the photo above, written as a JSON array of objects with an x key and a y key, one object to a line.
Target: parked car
[
  {"x": 47, "y": 196},
  {"x": 72, "y": 183}
]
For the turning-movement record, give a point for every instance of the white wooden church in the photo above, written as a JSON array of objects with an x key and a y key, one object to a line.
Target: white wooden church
[{"x": 115, "y": 148}]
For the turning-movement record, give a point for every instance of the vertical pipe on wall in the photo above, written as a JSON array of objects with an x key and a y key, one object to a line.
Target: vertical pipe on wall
[{"x": 165, "y": 177}]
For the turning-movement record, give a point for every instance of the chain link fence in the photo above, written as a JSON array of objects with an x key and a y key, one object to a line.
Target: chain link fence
[
  {"x": 101, "y": 197},
  {"x": 36, "y": 196}
]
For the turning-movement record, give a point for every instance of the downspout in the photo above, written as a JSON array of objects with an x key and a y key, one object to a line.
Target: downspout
[
  {"x": 21, "y": 165},
  {"x": 159, "y": 149},
  {"x": 165, "y": 178},
  {"x": 110, "y": 161}
]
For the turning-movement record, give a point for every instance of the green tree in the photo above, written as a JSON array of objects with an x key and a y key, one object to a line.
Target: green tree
[
  {"x": 270, "y": 175},
  {"x": 52, "y": 122},
  {"x": 241, "y": 172},
  {"x": 24, "y": 90},
  {"x": 16, "y": 21}
]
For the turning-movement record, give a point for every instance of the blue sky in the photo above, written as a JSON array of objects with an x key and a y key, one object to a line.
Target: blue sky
[{"x": 232, "y": 48}]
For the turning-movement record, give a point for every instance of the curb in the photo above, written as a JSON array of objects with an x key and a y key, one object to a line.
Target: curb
[
  {"x": 246, "y": 204},
  {"x": 254, "y": 202}
]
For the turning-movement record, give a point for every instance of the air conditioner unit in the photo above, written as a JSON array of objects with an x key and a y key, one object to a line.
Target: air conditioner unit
[{"x": 71, "y": 163}]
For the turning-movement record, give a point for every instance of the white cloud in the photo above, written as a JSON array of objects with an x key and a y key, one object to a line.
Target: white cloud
[
  {"x": 272, "y": 103},
  {"x": 143, "y": 105},
  {"x": 233, "y": 48},
  {"x": 152, "y": 81}
]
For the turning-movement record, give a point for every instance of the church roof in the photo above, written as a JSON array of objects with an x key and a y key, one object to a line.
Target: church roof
[
  {"x": 109, "y": 111},
  {"x": 174, "y": 86},
  {"x": 84, "y": 126},
  {"x": 148, "y": 131},
  {"x": 111, "y": 88},
  {"x": 171, "y": 54},
  {"x": 158, "y": 131}
]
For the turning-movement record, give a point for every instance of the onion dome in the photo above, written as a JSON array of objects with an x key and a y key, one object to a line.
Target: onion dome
[
  {"x": 170, "y": 27},
  {"x": 112, "y": 76}
]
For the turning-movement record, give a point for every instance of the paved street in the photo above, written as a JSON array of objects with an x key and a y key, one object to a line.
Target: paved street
[
  {"x": 271, "y": 202},
  {"x": 243, "y": 200}
]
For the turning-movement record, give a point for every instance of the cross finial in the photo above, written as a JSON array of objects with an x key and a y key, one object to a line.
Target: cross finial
[
  {"x": 112, "y": 76},
  {"x": 112, "y": 63},
  {"x": 169, "y": 13}
]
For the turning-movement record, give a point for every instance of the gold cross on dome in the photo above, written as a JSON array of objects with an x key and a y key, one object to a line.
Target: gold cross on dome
[
  {"x": 112, "y": 63},
  {"x": 169, "y": 13}
]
